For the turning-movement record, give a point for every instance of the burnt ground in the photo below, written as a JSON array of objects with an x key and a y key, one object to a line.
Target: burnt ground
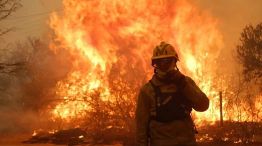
[
  {"x": 232, "y": 131},
  {"x": 16, "y": 140},
  {"x": 223, "y": 144}
]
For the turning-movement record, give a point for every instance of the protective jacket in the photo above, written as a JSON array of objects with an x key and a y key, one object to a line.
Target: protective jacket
[{"x": 179, "y": 131}]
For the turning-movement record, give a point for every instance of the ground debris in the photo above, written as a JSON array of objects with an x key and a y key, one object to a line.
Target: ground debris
[
  {"x": 69, "y": 137},
  {"x": 232, "y": 133}
]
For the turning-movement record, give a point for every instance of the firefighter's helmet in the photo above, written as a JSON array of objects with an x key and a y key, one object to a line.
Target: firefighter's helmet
[{"x": 164, "y": 50}]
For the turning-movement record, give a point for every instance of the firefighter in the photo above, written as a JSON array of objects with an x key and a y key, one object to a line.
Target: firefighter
[{"x": 164, "y": 103}]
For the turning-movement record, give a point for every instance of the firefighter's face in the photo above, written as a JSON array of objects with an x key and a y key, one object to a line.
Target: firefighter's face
[{"x": 165, "y": 63}]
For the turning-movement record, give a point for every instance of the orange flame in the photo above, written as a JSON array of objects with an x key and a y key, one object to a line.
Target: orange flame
[{"x": 112, "y": 42}]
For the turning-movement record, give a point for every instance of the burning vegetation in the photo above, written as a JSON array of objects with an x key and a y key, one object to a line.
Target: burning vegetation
[
  {"x": 106, "y": 47},
  {"x": 111, "y": 49}
]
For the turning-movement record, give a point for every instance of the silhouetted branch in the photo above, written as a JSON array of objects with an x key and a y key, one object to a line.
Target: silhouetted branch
[
  {"x": 7, "y": 7},
  {"x": 11, "y": 68}
]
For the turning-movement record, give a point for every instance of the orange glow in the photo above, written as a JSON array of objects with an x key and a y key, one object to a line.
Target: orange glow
[{"x": 112, "y": 41}]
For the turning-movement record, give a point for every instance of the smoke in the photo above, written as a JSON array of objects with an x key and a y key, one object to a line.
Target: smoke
[
  {"x": 29, "y": 88},
  {"x": 232, "y": 16},
  {"x": 29, "y": 72}
]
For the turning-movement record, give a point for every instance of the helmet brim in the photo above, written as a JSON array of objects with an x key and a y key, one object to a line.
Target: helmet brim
[{"x": 166, "y": 56}]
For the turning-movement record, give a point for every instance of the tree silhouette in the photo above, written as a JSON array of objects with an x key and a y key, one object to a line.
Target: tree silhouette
[
  {"x": 7, "y": 7},
  {"x": 249, "y": 52}
]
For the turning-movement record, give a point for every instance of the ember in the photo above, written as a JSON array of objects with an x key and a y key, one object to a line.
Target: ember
[
  {"x": 108, "y": 45},
  {"x": 69, "y": 137},
  {"x": 110, "y": 50},
  {"x": 111, "y": 54}
]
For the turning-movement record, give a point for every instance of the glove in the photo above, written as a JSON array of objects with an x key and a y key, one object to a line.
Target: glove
[{"x": 178, "y": 78}]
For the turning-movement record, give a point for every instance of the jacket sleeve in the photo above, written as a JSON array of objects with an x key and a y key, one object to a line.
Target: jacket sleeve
[
  {"x": 193, "y": 93},
  {"x": 142, "y": 118}
]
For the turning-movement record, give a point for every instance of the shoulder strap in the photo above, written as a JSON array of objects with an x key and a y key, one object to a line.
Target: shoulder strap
[{"x": 157, "y": 93}]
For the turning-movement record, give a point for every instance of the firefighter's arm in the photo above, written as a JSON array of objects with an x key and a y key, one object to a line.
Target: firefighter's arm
[
  {"x": 193, "y": 93},
  {"x": 142, "y": 118}
]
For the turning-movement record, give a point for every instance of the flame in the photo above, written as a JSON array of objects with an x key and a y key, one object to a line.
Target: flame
[
  {"x": 111, "y": 44},
  {"x": 81, "y": 136},
  {"x": 34, "y": 133}
]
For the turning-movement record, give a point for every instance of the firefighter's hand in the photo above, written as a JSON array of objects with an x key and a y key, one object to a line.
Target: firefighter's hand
[{"x": 179, "y": 79}]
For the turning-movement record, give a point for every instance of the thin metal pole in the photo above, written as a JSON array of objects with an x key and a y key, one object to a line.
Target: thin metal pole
[{"x": 221, "y": 108}]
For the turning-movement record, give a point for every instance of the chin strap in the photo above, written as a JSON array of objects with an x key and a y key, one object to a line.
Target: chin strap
[{"x": 176, "y": 68}]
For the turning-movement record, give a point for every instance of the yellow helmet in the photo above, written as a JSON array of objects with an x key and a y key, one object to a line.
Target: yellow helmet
[{"x": 164, "y": 50}]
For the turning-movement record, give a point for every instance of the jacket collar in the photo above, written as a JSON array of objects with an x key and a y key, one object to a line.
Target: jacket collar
[{"x": 157, "y": 81}]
